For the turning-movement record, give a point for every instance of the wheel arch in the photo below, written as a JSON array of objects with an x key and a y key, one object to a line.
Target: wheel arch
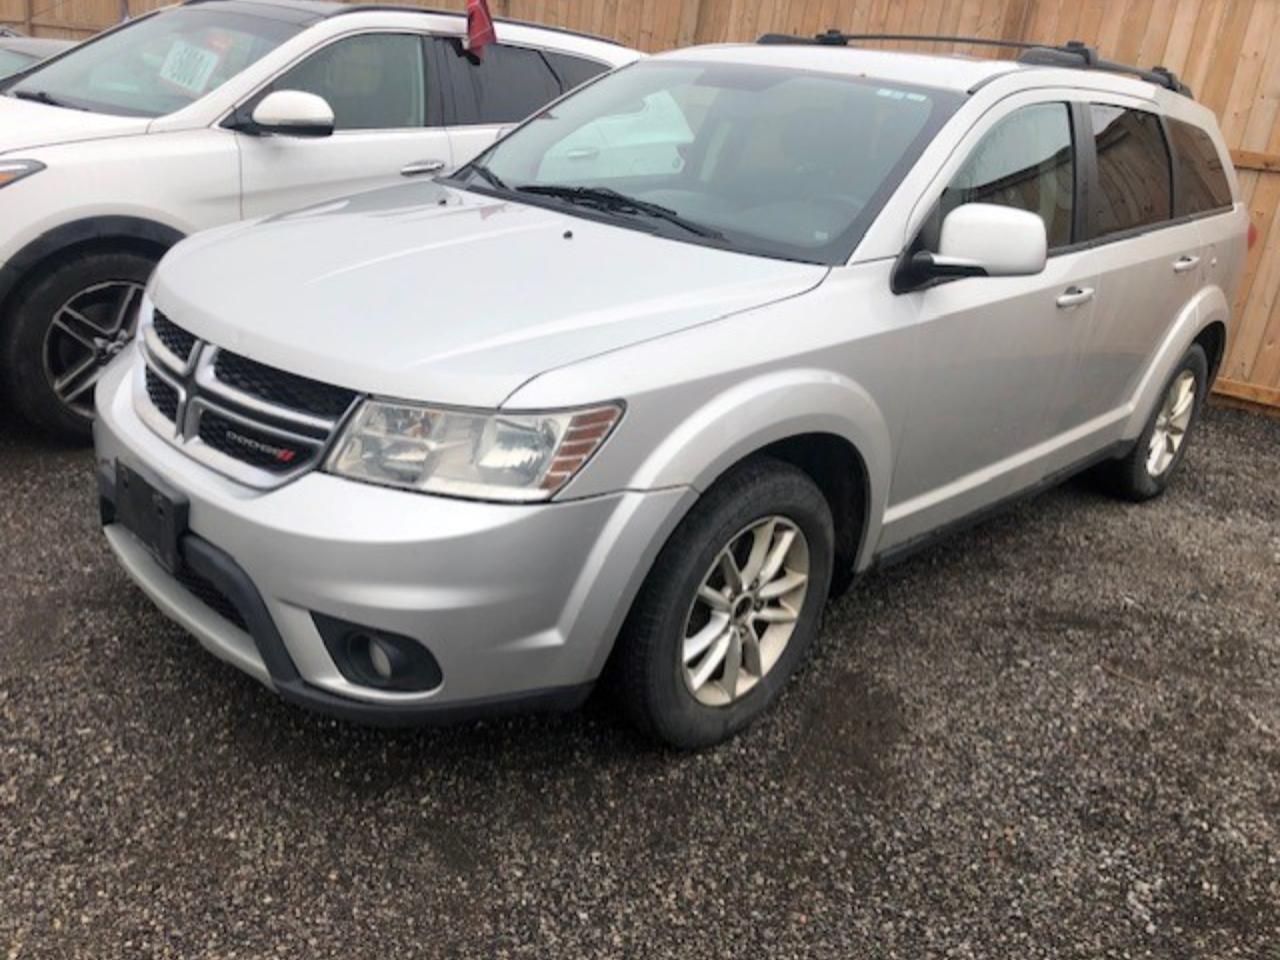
[
  {"x": 105, "y": 231},
  {"x": 1213, "y": 338},
  {"x": 824, "y": 424}
]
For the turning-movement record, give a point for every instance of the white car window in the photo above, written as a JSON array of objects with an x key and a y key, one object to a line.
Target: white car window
[
  {"x": 157, "y": 65},
  {"x": 373, "y": 81}
]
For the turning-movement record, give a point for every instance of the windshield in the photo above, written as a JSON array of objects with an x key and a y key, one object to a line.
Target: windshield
[
  {"x": 776, "y": 162},
  {"x": 12, "y": 62},
  {"x": 156, "y": 65}
]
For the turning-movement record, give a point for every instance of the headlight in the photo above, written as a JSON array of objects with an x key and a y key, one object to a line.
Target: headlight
[
  {"x": 466, "y": 453},
  {"x": 11, "y": 171}
]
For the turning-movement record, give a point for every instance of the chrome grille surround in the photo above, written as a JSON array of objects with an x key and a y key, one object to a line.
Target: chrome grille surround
[{"x": 277, "y": 443}]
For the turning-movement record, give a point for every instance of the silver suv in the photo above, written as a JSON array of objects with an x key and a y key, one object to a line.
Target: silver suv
[{"x": 636, "y": 391}]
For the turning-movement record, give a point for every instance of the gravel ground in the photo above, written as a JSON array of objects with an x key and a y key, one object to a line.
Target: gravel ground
[{"x": 1057, "y": 735}]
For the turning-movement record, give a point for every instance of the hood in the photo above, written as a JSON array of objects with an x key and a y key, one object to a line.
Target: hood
[
  {"x": 25, "y": 125},
  {"x": 423, "y": 292}
]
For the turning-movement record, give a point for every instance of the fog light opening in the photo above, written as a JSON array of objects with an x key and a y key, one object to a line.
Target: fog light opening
[
  {"x": 376, "y": 658},
  {"x": 380, "y": 659}
]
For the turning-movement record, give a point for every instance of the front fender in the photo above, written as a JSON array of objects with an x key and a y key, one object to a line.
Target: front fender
[{"x": 667, "y": 443}]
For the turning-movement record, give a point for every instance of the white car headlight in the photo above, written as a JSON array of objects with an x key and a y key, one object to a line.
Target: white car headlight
[{"x": 486, "y": 455}]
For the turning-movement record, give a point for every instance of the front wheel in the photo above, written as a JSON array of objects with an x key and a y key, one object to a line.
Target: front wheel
[
  {"x": 66, "y": 326},
  {"x": 1146, "y": 471},
  {"x": 730, "y": 607}
]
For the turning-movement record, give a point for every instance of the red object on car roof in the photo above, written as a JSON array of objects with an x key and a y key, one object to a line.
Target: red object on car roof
[{"x": 480, "y": 30}]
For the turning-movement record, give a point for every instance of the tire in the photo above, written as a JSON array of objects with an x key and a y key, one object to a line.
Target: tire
[
  {"x": 761, "y": 500},
  {"x": 82, "y": 308},
  {"x": 1141, "y": 475}
]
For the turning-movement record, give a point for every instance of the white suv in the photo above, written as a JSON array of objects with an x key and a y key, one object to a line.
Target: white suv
[
  {"x": 216, "y": 111},
  {"x": 720, "y": 330}
]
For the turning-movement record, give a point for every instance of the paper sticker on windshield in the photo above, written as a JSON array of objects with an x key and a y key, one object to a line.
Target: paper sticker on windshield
[{"x": 189, "y": 67}]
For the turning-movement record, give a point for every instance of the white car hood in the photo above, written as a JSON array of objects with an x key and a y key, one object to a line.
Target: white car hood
[
  {"x": 427, "y": 293},
  {"x": 25, "y": 125}
]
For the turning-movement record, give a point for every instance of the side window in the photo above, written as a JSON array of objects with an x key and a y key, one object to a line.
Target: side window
[
  {"x": 373, "y": 82},
  {"x": 573, "y": 71},
  {"x": 1202, "y": 182},
  {"x": 507, "y": 85},
  {"x": 1134, "y": 178},
  {"x": 1026, "y": 161}
]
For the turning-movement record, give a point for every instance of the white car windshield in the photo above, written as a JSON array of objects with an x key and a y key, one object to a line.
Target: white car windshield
[
  {"x": 778, "y": 162},
  {"x": 156, "y": 65}
]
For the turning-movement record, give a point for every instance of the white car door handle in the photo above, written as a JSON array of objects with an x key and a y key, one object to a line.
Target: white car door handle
[
  {"x": 1074, "y": 296},
  {"x": 421, "y": 167},
  {"x": 1185, "y": 263}
]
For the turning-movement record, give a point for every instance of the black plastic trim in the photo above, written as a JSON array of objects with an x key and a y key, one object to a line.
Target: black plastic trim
[
  {"x": 903, "y": 551},
  {"x": 91, "y": 229}
]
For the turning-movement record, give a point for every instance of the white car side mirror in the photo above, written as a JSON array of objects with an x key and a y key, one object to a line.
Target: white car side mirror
[
  {"x": 987, "y": 240},
  {"x": 293, "y": 113}
]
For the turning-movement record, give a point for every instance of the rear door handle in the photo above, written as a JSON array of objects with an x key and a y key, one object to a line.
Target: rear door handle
[
  {"x": 1185, "y": 263},
  {"x": 420, "y": 167},
  {"x": 1074, "y": 296}
]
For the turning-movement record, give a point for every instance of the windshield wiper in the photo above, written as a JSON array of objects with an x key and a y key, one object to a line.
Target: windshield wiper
[
  {"x": 605, "y": 198},
  {"x": 42, "y": 96},
  {"x": 488, "y": 176}
]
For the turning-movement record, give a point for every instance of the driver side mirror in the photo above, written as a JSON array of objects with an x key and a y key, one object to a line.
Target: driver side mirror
[
  {"x": 292, "y": 113},
  {"x": 983, "y": 240}
]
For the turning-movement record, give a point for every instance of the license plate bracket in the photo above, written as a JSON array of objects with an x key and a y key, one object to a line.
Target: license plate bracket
[{"x": 154, "y": 512}]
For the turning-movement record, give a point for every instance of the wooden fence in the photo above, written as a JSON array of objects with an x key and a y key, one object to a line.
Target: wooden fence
[{"x": 1227, "y": 50}]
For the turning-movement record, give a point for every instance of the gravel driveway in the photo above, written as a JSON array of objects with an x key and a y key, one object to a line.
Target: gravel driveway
[{"x": 1057, "y": 735}]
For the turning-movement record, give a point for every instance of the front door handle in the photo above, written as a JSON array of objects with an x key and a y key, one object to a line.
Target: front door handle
[
  {"x": 1185, "y": 263},
  {"x": 1074, "y": 296},
  {"x": 421, "y": 167}
]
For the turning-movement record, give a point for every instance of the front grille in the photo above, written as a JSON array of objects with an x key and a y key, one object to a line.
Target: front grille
[
  {"x": 255, "y": 423},
  {"x": 162, "y": 395},
  {"x": 176, "y": 340},
  {"x": 213, "y": 598},
  {"x": 286, "y": 389},
  {"x": 249, "y": 445}
]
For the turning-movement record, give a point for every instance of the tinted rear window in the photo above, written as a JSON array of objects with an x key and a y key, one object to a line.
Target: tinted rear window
[
  {"x": 1134, "y": 177},
  {"x": 1202, "y": 182},
  {"x": 573, "y": 71},
  {"x": 506, "y": 86}
]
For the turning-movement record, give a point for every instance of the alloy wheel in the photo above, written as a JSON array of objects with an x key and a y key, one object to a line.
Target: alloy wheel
[
  {"x": 1172, "y": 421},
  {"x": 745, "y": 611},
  {"x": 86, "y": 333}
]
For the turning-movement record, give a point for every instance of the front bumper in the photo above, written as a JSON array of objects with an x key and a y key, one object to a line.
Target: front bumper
[{"x": 518, "y": 604}]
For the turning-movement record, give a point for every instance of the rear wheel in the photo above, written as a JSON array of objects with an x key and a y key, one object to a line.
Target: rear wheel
[
  {"x": 730, "y": 607},
  {"x": 1146, "y": 471},
  {"x": 66, "y": 326}
]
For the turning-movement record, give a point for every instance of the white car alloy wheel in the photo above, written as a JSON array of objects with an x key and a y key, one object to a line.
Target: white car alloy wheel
[
  {"x": 745, "y": 611},
  {"x": 1172, "y": 422}
]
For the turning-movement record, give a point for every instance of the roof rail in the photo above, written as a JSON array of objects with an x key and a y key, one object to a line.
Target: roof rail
[{"x": 1073, "y": 54}]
